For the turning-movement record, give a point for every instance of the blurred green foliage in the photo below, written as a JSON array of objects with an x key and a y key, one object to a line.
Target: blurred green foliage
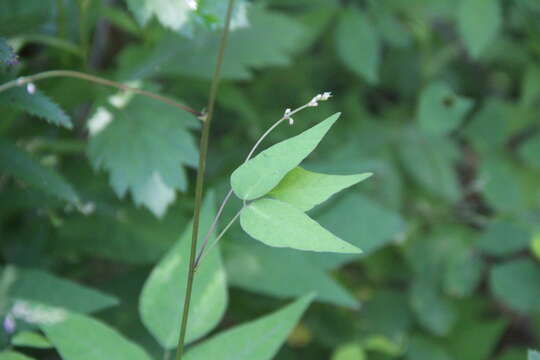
[{"x": 439, "y": 99}]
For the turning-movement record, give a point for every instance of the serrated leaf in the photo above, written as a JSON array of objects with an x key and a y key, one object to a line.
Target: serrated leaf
[
  {"x": 516, "y": 284},
  {"x": 261, "y": 174},
  {"x": 30, "y": 339},
  {"x": 305, "y": 189},
  {"x": 533, "y": 355},
  {"x": 279, "y": 224},
  {"x": 36, "y": 285},
  {"x": 159, "y": 306},
  {"x": 13, "y": 355},
  {"x": 144, "y": 154},
  {"x": 170, "y": 13},
  {"x": 282, "y": 35},
  {"x": 256, "y": 340},
  {"x": 83, "y": 338},
  {"x": 440, "y": 110},
  {"x": 479, "y": 31},
  {"x": 255, "y": 267},
  {"x": 22, "y": 166},
  {"x": 37, "y": 104},
  {"x": 359, "y": 52}
]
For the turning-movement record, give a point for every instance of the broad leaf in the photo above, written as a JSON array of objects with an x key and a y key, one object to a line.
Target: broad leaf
[
  {"x": 13, "y": 355},
  {"x": 305, "y": 189},
  {"x": 160, "y": 307},
  {"x": 502, "y": 238},
  {"x": 478, "y": 24},
  {"x": 23, "y": 17},
  {"x": 261, "y": 174},
  {"x": 421, "y": 348},
  {"x": 256, "y": 340},
  {"x": 22, "y": 166},
  {"x": 359, "y": 52},
  {"x": 37, "y": 104},
  {"x": 30, "y": 339},
  {"x": 280, "y": 224},
  {"x": 282, "y": 35},
  {"x": 171, "y": 13},
  {"x": 255, "y": 267},
  {"x": 434, "y": 312},
  {"x": 529, "y": 151},
  {"x": 516, "y": 284},
  {"x": 440, "y": 110},
  {"x": 36, "y": 286},
  {"x": 144, "y": 145},
  {"x": 82, "y": 338}
]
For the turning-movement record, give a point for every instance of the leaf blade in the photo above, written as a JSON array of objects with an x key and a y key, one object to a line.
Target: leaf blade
[
  {"x": 261, "y": 174},
  {"x": 279, "y": 224}
]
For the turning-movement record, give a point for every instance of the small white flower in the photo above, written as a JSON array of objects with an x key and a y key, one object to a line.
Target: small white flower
[
  {"x": 287, "y": 116},
  {"x": 31, "y": 88},
  {"x": 192, "y": 4},
  {"x": 325, "y": 96}
]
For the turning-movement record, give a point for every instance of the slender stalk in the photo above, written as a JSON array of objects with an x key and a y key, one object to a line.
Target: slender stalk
[
  {"x": 200, "y": 180},
  {"x": 202, "y": 254},
  {"x": 91, "y": 78},
  {"x": 227, "y": 197}
]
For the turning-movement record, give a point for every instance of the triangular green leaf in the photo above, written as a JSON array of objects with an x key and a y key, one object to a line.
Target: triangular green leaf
[
  {"x": 37, "y": 104},
  {"x": 257, "y": 340},
  {"x": 19, "y": 164},
  {"x": 13, "y": 355},
  {"x": 361, "y": 51},
  {"x": 305, "y": 189},
  {"x": 82, "y": 338},
  {"x": 144, "y": 153},
  {"x": 160, "y": 307},
  {"x": 279, "y": 224},
  {"x": 261, "y": 174},
  {"x": 478, "y": 31}
]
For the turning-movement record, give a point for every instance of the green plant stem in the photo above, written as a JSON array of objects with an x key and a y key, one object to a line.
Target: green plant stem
[
  {"x": 91, "y": 78},
  {"x": 200, "y": 180},
  {"x": 227, "y": 197},
  {"x": 202, "y": 254}
]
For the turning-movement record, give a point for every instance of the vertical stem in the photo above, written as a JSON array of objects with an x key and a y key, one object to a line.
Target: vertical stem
[{"x": 203, "y": 149}]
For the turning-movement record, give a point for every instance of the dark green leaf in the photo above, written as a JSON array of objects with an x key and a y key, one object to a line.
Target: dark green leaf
[
  {"x": 20, "y": 165},
  {"x": 37, "y": 104},
  {"x": 257, "y": 340}
]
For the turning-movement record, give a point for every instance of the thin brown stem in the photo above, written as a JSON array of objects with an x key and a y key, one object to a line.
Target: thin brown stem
[
  {"x": 95, "y": 79},
  {"x": 200, "y": 180}
]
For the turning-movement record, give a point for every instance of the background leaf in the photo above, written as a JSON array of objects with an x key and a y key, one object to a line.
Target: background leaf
[
  {"x": 159, "y": 307},
  {"x": 360, "y": 53},
  {"x": 257, "y": 340},
  {"x": 82, "y": 338},
  {"x": 20, "y": 165},
  {"x": 478, "y": 32}
]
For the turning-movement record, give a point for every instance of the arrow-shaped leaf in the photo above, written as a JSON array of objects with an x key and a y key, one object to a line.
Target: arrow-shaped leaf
[
  {"x": 277, "y": 223},
  {"x": 261, "y": 174}
]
